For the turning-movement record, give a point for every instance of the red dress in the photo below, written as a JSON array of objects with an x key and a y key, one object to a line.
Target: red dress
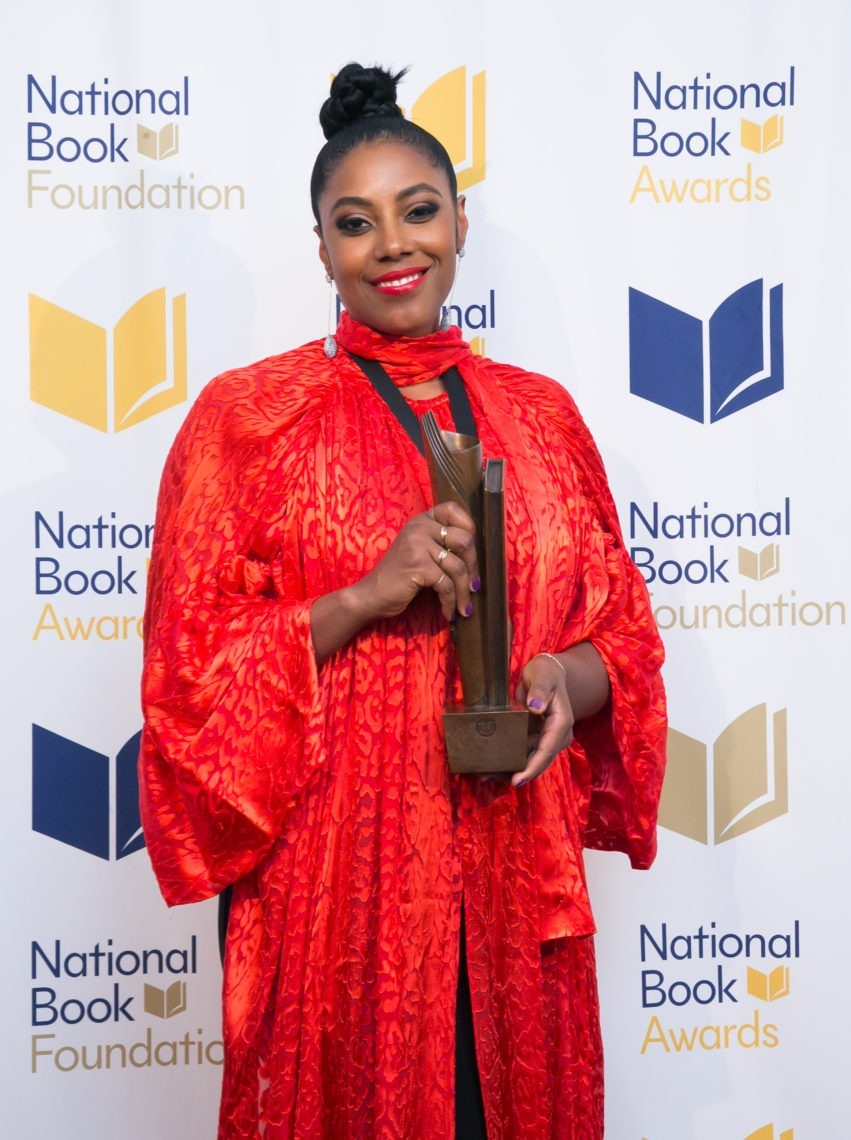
[{"x": 324, "y": 795}]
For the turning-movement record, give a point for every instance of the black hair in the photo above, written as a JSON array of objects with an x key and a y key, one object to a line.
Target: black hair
[{"x": 362, "y": 108}]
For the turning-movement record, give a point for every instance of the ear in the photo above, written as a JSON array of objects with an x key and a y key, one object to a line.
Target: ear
[
  {"x": 461, "y": 222},
  {"x": 323, "y": 252}
]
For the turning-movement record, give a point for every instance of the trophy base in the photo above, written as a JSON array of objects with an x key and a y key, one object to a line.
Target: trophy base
[{"x": 485, "y": 741}]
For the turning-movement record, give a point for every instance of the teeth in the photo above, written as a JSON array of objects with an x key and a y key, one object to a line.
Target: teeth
[{"x": 400, "y": 281}]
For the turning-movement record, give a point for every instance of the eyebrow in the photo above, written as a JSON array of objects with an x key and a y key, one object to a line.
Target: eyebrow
[{"x": 352, "y": 200}]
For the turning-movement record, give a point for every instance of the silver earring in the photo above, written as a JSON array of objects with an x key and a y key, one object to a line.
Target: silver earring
[
  {"x": 446, "y": 319},
  {"x": 330, "y": 345}
]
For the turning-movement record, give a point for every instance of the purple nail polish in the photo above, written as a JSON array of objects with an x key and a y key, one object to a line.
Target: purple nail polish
[
  {"x": 476, "y": 585},
  {"x": 520, "y": 783},
  {"x": 468, "y": 610},
  {"x": 536, "y": 704}
]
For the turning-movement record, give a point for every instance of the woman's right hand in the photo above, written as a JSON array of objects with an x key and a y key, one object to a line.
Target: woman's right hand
[{"x": 433, "y": 550}]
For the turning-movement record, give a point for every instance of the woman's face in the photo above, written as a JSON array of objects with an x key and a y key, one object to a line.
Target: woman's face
[{"x": 389, "y": 231}]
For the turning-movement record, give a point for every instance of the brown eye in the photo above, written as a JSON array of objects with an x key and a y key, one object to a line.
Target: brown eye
[
  {"x": 348, "y": 225},
  {"x": 423, "y": 212}
]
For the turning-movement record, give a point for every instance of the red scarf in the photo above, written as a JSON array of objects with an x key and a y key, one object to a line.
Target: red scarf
[{"x": 406, "y": 359}]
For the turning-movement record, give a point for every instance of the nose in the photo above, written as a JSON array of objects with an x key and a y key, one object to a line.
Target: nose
[{"x": 392, "y": 241}]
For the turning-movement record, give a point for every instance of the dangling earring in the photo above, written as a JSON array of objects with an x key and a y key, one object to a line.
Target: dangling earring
[
  {"x": 446, "y": 319},
  {"x": 330, "y": 344}
]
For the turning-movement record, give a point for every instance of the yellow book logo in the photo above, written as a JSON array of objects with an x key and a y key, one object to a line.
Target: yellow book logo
[
  {"x": 73, "y": 371},
  {"x": 442, "y": 109},
  {"x": 762, "y": 138},
  {"x": 746, "y": 771},
  {"x": 157, "y": 144},
  {"x": 767, "y": 1133},
  {"x": 761, "y": 564},
  {"x": 477, "y": 346},
  {"x": 165, "y": 1003},
  {"x": 768, "y": 986}
]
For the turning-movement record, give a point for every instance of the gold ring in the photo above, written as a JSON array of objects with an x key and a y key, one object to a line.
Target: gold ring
[
  {"x": 442, "y": 555},
  {"x": 439, "y": 580},
  {"x": 443, "y": 534}
]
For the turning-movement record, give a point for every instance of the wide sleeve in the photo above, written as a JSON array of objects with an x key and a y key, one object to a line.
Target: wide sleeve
[
  {"x": 230, "y": 691},
  {"x": 619, "y": 754}
]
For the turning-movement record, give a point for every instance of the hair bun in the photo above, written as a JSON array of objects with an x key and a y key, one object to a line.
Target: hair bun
[{"x": 359, "y": 93}]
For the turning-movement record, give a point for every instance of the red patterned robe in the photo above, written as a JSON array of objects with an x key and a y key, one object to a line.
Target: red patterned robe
[{"x": 324, "y": 795}]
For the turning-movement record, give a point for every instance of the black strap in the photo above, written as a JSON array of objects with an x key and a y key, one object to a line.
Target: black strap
[
  {"x": 224, "y": 915},
  {"x": 459, "y": 403}
]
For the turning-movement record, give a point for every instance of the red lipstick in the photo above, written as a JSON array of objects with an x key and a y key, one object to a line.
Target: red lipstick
[{"x": 400, "y": 281}]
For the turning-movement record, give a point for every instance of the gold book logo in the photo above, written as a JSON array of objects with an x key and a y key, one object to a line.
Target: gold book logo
[
  {"x": 759, "y": 564},
  {"x": 768, "y": 986},
  {"x": 442, "y": 109},
  {"x": 766, "y": 1133},
  {"x": 165, "y": 1003},
  {"x": 109, "y": 382},
  {"x": 157, "y": 144},
  {"x": 477, "y": 346},
  {"x": 762, "y": 138},
  {"x": 747, "y": 773}
]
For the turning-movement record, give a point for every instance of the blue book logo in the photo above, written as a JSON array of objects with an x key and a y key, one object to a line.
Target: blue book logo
[
  {"x": 72, "y": 792},
  {"x": 740, "y": 347}
]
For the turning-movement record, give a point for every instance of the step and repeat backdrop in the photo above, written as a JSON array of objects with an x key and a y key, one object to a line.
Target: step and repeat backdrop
[{"x": 659, "y": 219}]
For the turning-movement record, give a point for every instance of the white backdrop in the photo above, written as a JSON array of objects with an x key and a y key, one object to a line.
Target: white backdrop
[{"x": 630, "y": 170}]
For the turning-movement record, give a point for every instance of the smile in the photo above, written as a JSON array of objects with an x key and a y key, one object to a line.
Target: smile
[{"x": 399, "y": 282}]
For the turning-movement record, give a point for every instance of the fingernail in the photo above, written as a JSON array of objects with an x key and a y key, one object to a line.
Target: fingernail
[
  {"x": 476, "y": 585},
  {"x": 468, "y": 610},
  {"x": 535, "y": 703},
  {"x": 520, "y": 783}
]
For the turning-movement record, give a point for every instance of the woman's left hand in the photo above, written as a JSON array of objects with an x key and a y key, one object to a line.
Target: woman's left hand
[{"x": 543, "y": 689}]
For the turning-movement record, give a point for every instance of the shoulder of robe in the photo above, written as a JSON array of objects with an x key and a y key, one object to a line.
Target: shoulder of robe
[
  {"x": 266, "y": 399},
  {"x": 550, "y": 414},
  {"x": 530, "y": 397},
  {"x": 517, "y": 385}
]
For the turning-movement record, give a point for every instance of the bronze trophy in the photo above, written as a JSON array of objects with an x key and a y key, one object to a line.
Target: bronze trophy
[{"x": 488, "y": 733}]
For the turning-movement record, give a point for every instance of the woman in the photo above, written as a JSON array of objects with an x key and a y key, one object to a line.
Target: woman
[{"x": 298, "y": 658}]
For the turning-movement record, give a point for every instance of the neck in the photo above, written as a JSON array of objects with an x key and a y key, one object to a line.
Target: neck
[{"x": 425, "y": 391}]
